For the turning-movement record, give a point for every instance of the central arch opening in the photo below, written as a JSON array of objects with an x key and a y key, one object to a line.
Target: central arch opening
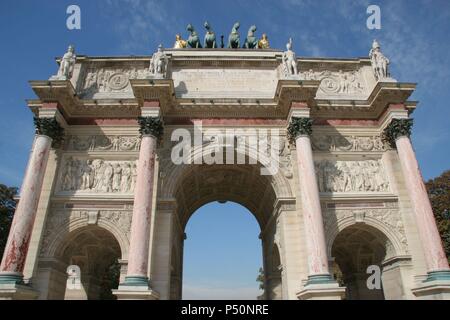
[
  {"x": 229, "y": 242},
  {"x": 222, "y": 253}
]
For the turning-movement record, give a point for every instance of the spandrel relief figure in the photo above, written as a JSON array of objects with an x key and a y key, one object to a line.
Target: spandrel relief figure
[
  {"x": 133, "y": 175},
  {"x": 125, "y": 185},
  {"x": 116, "y": 186},
  {"x": 86, "y": 176},
  {"x": 289, "y": 61},
  {"x": 108, "y": 178},
  {"x": 98, "y": 174},
  {"x": 66, "y": 66}
]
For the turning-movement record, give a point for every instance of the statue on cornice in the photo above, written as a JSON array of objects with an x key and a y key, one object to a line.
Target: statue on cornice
[
  {"x": 263, "y": 43},
  {"x": 251, "y": 42},
  {"x": 66, "y": 65},
  {"x": 233, "y": 39},
  {"x": 210, "y": 37},
  {"x": 193, "y": 40},
  {"x": 179, "y": 42},
  {"x": 379, "y": 62},
  {"x": 158, "y": 63},
  {"x": 289, "y": 61}
]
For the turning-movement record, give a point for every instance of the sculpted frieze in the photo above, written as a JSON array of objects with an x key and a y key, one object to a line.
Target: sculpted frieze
[
  {"x": 109, "y": 80},
  {"x": 103, "y": 143},
  {"x": 351, "y": 176},
  {"x": 337, "y": 82},
  {"x": 347, "y": 143}
]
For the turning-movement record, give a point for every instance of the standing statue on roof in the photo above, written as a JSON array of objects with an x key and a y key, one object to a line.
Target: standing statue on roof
[
  {"x": 158, "y": 63},
  {"x": 179, "y": 42},
  {"x": 379, "y": 62},
  {"x": 263, "y": 43},
  {"x": 193, "y": 40},
  {"x": 289, "y": 61},
  {"x": 66, "y": 65}
]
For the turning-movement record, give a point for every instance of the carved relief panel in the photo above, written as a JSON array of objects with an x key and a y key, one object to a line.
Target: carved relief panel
[
  {"x": 95, "y": 175},
  {"x": 102, "y": 81},
  {"x": 338, "y": 83},
  {"x": 351, "y": 176}
]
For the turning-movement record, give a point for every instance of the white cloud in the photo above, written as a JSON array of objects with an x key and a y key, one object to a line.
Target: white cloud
[{"x": 138, "y": 22}]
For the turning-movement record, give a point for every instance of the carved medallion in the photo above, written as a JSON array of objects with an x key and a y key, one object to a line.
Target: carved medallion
[{"x": 118, "y": 81}]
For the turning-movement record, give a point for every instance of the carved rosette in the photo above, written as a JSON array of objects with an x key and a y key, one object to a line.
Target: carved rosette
[
  {"x": 299, "y": 126},
  {"x": 396, "y": 129},
  {"x": 151, "y": 126},
  {"x": 50, "y": 127}
]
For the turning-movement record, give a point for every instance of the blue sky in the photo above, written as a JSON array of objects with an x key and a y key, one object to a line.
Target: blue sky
[{"x": 414, "y": 36}]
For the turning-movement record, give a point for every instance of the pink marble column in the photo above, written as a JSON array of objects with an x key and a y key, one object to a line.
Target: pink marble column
[
  {"x": 19, "y": 237},
  {"x": 312, "y": 213},
  {"x": 140, "y": 227},
  {"x": 426, "y": 224}
]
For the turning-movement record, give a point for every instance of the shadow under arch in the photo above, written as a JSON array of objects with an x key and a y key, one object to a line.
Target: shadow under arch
[
  {"x": 96, "y": 251},
  {"x": 393, "y": 242},
  {"x": 354, "y": 249},
  {"x": 176, "y": 178}
]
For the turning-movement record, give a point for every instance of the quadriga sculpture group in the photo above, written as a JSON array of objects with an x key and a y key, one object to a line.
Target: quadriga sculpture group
[
  {"x": 210, "y": 41},
  {"x": 99, "y": 176}
]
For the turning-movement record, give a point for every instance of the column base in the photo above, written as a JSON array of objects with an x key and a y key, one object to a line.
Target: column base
[
  {"x": 321, "y": 287},
  {"x": 135, "y": 288},
  {"x": 11, "y": 278},
  {"x": 435, "y": 287},
  {"x": 14, "y": 291}
]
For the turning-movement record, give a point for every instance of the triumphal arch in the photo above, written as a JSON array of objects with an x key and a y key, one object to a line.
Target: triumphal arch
[{"x": 318, "y": 149}]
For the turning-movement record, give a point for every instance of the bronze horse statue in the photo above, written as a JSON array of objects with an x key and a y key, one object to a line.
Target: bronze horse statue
[
  {"x": 251, "y": 42},
  {"x": 193, "y": 40},
  {"x": 210, "y": 37},
  {"x": 233, "y": 39}
]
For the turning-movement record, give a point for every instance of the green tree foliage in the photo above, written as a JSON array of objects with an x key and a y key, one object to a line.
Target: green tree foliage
[
  {"x": 260, "y": 278},
  {"x": 110, "y": 281},
  {"x": 7, "y": 208},
  {"x": 439, "y": 193}
]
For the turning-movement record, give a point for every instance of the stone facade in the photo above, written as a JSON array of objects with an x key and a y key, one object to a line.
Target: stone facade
[{"x": 110, "y": 193}]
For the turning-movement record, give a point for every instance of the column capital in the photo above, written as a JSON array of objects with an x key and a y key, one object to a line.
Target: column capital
[
  {"x": 397, "y": 128},
  {"x": 50, "y": 127},
  {"x": 299, "y": 126},
  {"x": 151, "y": 126}
]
